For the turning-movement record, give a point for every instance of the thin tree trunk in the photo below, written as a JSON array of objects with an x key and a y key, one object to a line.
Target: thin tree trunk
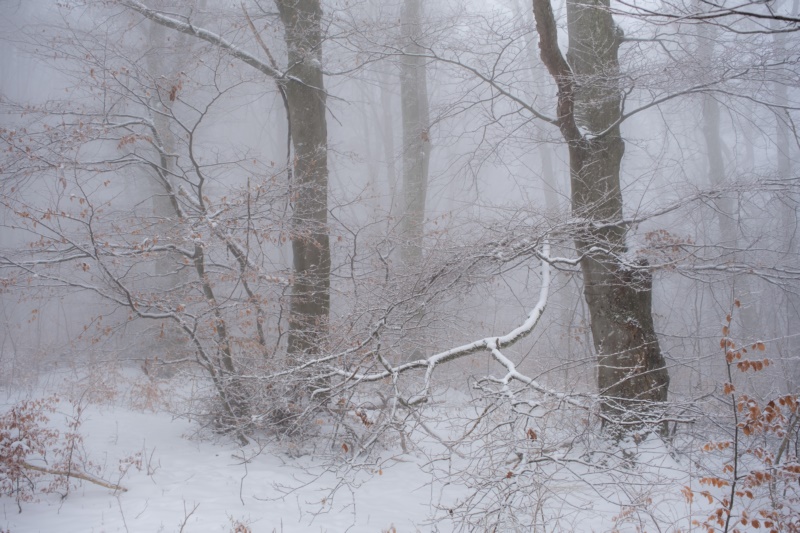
[
  {"x": 726, "y": 206},
  {"x": 789, "y": 222},
  {"x": 388, "y": 139},
  {"x": 416, "y": 138},
  {"x": 164, "y": 66},
  {"x": 632, "y": 375}
]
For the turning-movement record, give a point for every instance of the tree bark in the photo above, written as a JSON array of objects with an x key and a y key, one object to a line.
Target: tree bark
[
  {"x": 305, "y": 92},
  {"x": 632, "y": 375},
  {"x": 416, "y": 137}
]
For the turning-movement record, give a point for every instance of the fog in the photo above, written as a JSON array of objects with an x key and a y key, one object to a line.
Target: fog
[{"x": 579, "y": 211}]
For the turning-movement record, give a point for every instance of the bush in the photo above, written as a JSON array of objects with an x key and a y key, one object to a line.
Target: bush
[
  {"x": 37, "y": 459},
  {"x": 24, "y": 437}
]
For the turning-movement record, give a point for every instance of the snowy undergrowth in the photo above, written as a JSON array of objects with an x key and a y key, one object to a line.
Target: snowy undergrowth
[{"x": 178, "y": 479}]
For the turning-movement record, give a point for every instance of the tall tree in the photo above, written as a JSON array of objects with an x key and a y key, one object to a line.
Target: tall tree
[
  {"x": 416, "y": 137},
  {"x": 303, "y": 84},
  {"x": 305, "y": 93},
  {"x": 790, "y": 322},
  {"x": 632, "y": 375}
]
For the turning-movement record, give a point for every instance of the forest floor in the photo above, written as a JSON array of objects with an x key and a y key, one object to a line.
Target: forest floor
[{"x": 177, "y": 478}]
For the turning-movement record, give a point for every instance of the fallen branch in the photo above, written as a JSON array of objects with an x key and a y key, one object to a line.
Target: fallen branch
[{"x": 79, "y": 475}]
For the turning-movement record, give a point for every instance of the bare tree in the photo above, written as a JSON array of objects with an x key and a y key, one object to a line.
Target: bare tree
[
  {"x": 215, "y": 237},
  {"x": 632, "y": 375},
  {"x": 303, "y": 83},
  {"x": 305, "y": 92},
  {"x": 416, "y": 134}
]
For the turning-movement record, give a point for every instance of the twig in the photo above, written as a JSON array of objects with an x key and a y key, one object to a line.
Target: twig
[
  {"x": 187, "y": 515},
  {"x": 122, "y": 514}
]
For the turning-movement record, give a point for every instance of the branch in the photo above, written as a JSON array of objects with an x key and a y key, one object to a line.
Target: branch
[
  {"x": 205, "y": 35},
  {"x": 558, "y": 68},
  {"x": 492, "y": 344},
  {"x": 79, "y": 475}
]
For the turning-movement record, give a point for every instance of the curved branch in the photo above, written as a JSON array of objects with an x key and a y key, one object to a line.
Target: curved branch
[{"x": 491, "y": 344}]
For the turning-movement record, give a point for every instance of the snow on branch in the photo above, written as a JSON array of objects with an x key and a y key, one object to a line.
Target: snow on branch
[
  {"x": 491, "y": 344},
  {"x": 210, "y": 37}
]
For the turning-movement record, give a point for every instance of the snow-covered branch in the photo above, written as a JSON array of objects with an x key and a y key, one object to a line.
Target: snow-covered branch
[
  {"x": 491, "y": 344},
  {"x": 210, "y": 37}
]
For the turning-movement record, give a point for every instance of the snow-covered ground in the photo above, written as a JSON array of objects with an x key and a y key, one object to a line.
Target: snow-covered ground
[
  {"x": 193, "y": 484},
  {"x": 178, "y": 479}
]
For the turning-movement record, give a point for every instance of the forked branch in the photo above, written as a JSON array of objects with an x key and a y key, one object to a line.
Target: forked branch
[{"x": 492, "y": 344}]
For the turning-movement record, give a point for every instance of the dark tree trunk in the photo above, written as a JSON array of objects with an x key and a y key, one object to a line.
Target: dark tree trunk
[
  {"x": 305, "y": 92},
  {"x": 632, "y": 375}
]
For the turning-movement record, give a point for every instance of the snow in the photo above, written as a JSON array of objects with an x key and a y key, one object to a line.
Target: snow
[
  {"x": 184, "y": 475},
  {"x": 192, "y": 481}
]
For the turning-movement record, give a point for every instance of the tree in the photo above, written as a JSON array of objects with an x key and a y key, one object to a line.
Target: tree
[
  {"x": 632, "y": 375},
  {"x": 95, "y": 232},
  {"x": 416, "y": 132},
  {"x": 305, "y": 94}
]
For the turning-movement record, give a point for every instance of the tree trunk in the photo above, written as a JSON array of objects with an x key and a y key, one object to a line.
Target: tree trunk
[
  {"x": 416, "y": 139},
  {"x": 726, "y": 206},
  {"x": 789, "y": 222},
  {"x": 388, "y": 139},
  {"x": 305, "y": 92},
  {"x": 164, "y": 70},
  {"x": 632, "y": 375}
]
